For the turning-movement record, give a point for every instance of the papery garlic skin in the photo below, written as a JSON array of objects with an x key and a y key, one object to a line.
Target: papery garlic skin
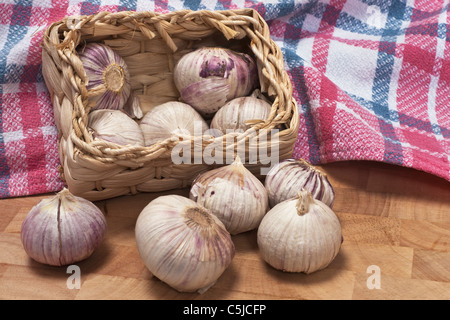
[
  {"x": 233, "y": 194},
  {"x": 63, "y": 229},
  {"x": 182, "y": 243},
  {"x": 133, "y": 107},
  {"x": 210, "y": 76},
  {"x": 300, "y": 235},
  {"x": 115, "y": 126},
  {"x": 108, "y": 78},
  {"x": 171, "y": 119},
  {"x": 289, "y": 176},
  {"x": 233, "y": 115}
]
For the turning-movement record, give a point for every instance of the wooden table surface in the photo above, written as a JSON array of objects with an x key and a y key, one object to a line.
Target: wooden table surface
[{"x": 395, "y": 222}]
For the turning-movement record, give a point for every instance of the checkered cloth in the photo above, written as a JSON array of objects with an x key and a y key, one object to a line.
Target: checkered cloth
[{"x": 371, "y": 77}]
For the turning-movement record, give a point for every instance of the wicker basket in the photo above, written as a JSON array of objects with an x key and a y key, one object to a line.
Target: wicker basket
[{"x": 151, "y": 44}]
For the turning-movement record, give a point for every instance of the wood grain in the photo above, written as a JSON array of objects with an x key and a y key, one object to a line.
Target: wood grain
[{"x": 394, "y": 218}]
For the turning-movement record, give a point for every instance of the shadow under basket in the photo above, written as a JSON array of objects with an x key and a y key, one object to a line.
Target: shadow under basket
[{"x": 151, "y": 44}]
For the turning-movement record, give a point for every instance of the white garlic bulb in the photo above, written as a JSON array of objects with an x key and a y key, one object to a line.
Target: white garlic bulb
[
  {"x": 171, "y": 119},
  {"x": 115, "y": 126},
  {"x": 300, "y": 235},
  {"x": 108, "y": 82},
  {"x": 289, "y": 176},
  {"x": 233, "y": 194},
  {"x": 62, "y": 229},
  {"x": 235, "y": 113},
  {"x": 182, "y": 243},
  {"x": 210, "y": 76}
]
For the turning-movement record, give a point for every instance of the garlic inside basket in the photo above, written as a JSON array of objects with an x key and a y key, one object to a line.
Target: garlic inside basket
[{"x": 151, "y": 45}]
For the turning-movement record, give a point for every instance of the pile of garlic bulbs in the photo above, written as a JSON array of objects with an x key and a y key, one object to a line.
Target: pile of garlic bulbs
[
  {"x": 298, "y": 234},
  {"x": 216, "y": 85},
  {"x": 187, "y": 242}
]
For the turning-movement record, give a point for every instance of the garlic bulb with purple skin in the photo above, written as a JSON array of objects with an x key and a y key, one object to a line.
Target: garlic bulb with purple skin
[
  {"x": 63, "y": 229},
  {"x": 233, "y": 194},
  {"x": 300, "y": 235},
  {"x": 182, "y": 243},
  {"x": 116, "y": 127},
  {"x": 289, "y": 176},
  {"x": 210, "y": 76},
  {"x": 108, "y": 80}
]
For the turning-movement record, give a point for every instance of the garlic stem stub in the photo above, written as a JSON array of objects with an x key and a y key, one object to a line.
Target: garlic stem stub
[
  {"x": 108, "y": 82},
  {"x": 182, "y": 243},
  {"x": 115, "y": 126},
  {"x": 233, "y": 116},
  {"x": 62, "y": 229},
  {"x": 233, "y": 194},
  {"x": 171, "y": 119},
  {"x": 210, "y": 76},
  {"x": 300, "y": 235},
  {"x": 289, "y": 176}
]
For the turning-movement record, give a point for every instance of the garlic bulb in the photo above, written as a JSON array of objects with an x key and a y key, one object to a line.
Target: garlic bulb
[
  {"x": 182, "y": 243},
  {"x": 300, "y": 235},
  {"x": 210, "y": 76},
  {"x": 170, "y": 119},
  {"x": 288, "y": 177},
  {"x": 233, "y": 194},
  {"x": 62, "y": 229},
  {"x": 115, "y": 126},
  {"x": 235, "y": 113},
  {"x": 108, "y": 78}
]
